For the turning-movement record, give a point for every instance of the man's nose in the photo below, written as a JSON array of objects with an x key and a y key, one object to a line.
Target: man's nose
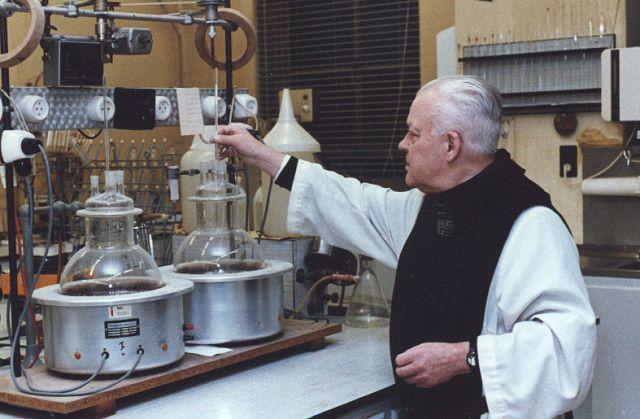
[{"x": 403, "y": 144}]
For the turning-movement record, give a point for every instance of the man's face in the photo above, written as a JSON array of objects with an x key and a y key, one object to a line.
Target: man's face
[{"x": 425, "y": 155}]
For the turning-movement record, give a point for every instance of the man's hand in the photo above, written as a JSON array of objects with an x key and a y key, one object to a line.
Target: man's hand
[
  {"x": 237, "y": 142},
  {"x": 431, "y": 364}
]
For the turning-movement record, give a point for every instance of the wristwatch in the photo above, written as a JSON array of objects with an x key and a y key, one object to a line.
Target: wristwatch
[{"x": 472, "y": 357}]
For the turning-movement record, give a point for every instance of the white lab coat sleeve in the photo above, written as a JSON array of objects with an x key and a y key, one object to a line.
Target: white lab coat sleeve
[
  {"x": 361, "y": 217},
  {"x": 540, "y": 362}
]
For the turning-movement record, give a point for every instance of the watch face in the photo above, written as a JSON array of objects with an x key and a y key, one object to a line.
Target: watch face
[{"x": 471, "y": 359}]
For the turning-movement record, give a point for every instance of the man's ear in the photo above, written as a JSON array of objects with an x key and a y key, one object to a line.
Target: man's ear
[{"x": 454, "y": 145}]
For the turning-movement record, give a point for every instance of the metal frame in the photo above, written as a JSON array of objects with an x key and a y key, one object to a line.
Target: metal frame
[{"x": 7, "y": 8}]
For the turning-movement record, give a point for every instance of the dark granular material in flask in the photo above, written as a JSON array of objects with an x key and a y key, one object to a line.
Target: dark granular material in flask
[
  {"x": 223, "y": 266},
  {"x": 110, "y": 286}
]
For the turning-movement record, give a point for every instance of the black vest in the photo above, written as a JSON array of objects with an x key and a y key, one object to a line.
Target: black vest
[{"x": 444, "y": 273}]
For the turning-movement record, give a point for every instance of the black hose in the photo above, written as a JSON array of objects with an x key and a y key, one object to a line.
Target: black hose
[
  {"x": 266, "y": 210},
  {"x": 90, "y": 137}
]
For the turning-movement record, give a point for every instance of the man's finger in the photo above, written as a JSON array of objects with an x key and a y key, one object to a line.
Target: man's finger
[
  {"x": 403, "y": 359},
  {"x": 224, "y": 139},
  {"x": 226, "y": 130},
  {"x": 407, "y": 370}
]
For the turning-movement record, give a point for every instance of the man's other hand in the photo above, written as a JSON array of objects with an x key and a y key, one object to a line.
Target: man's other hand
[
  {"x": 431, "y": 364},
  {"x": 237, "y": 142}
]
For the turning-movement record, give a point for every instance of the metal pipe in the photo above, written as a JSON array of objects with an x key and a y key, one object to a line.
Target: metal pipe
[
  {"x": 11, "y": 222},
  {"x": 73, "y": 12},
  {"x": 182, "y": 19}
]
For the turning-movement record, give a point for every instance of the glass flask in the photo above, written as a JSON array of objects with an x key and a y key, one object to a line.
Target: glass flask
[
  {"x": 218, "y": 244},
  {"x": 110, "y": 263},
  {"x": 367, "y": 307}
]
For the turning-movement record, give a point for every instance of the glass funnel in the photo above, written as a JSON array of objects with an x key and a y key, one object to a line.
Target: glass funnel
[
  {"x": 110, "y": 263},
  {"x": 367, "y": 307},
  {"x": 218, "y": 244}
]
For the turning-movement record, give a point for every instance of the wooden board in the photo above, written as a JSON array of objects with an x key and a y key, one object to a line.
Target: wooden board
[{"x": 296, "y": 333}]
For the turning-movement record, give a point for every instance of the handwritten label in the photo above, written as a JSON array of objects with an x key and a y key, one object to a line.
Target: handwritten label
[{"x": 190, "y": 111}]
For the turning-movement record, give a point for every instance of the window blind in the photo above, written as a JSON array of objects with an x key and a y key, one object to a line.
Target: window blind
[{"x": 361, "y": 58}]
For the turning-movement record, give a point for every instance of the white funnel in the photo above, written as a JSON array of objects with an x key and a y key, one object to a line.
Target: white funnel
[{"x": 287, "y": 136}]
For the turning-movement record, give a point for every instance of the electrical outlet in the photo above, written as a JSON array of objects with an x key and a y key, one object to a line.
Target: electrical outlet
[
  {"x": 96, "y": 109},
  {"x": 302, "y": 101},
  {"x": 568, "y": 161},
  {"x": 34, "y": 108},
  {"x": 163, "y": 108},
  {"x": 245, "y": 106},
  {"x": 212, "y": 106}
]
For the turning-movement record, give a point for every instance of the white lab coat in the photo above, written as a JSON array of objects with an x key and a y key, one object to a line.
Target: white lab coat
[{"x": 537, "y": 346}]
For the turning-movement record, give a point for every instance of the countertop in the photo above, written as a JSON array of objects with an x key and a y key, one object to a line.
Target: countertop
[{"x": 296, "y": 384}]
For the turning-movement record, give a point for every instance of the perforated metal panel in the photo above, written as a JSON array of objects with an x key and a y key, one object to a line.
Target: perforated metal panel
[{"x": 67, "y": 106}]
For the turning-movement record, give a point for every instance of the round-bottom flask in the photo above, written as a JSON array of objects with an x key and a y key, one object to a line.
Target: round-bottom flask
[
  {"x": 110, "y": 263},
  {"x": 218, "y": 244},
  {"x": 368, "y": 307}
]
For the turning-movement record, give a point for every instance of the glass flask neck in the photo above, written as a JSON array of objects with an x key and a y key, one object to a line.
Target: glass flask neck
[
  {"x": 106, "y": 232},
  {"x": 216, "y": 215},
  {"x": 110, "y": 188},
  {"x": 95, "y": 186},
  {"x": 366, "y": 264}
]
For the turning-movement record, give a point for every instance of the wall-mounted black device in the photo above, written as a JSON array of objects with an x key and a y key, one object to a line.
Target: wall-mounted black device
[{"x": 72, "y": 61}]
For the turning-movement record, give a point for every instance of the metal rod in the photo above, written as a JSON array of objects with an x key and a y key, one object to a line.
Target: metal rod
[
  {"x": 228, "y": 50},
  {"x": 229, "y": 84},
  {"x": 11, "y": 222},
  {"x": 183, "y": 19},
  {"x": 74, "y": 12}
]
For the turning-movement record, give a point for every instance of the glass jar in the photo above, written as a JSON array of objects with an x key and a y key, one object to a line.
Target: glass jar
[
  {"x": 110, "y": 263},
  {"x": 218, "y": 244}
]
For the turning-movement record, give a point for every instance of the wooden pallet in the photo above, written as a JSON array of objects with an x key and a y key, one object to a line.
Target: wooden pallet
[{"x": 296, "y": 333}]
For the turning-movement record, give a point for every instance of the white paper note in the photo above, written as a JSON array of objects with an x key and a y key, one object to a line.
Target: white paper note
[
  {"x": 190, "y": 111},
  {"x": 206, "y": 350}
]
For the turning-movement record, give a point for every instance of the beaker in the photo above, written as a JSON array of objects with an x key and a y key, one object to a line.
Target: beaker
[{"x": 368, "y": 307}]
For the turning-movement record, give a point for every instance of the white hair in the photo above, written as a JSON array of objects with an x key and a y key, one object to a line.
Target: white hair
[{"x": 470, "y": 106}]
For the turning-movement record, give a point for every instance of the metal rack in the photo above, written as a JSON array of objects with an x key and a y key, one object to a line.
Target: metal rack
[
  {"x": 144, "y": 164},
  {"x": 101, "y": 16}
]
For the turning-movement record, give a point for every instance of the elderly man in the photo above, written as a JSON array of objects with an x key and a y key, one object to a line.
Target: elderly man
[{"x": 490, "y": 312}]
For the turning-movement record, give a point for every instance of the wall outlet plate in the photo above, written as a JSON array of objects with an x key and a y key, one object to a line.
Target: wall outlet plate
[{"x": 302, "y": 100}]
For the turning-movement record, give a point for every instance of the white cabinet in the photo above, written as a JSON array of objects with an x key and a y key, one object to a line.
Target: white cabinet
[{"x": 615, "y": 392}]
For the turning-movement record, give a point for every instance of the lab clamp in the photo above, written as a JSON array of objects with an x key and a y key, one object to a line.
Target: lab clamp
[{"x": 62, "y": 67}]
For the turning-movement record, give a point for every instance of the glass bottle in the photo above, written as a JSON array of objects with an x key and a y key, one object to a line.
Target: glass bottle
[{"x": 368, "y": 307}]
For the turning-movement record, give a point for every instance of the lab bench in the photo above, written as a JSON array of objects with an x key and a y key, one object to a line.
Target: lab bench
[{"x": 352, "y": 369}]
